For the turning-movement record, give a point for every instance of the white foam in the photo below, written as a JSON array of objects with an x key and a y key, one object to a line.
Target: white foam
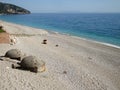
[{"x": 103, "y": 43}]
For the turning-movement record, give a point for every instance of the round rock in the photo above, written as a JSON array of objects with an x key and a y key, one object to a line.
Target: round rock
[
  {"x": 33, "y": 64},
  {"x": 14, "y": 54}
]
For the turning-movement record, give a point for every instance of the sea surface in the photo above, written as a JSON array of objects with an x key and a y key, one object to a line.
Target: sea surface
[{"x": 99, "y": 27}]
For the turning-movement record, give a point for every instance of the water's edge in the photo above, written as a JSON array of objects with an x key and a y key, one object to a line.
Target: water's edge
[{"x": 86, "y": 39}]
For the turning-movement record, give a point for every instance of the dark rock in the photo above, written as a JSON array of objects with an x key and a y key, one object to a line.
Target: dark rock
[
  {"x": 45, "y": 41},
  {"x": 57, "y": 45}
]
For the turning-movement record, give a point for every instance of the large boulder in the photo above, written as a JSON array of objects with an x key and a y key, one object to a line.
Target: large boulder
[
  {"x": 13, "y": 54},
  {"x": 33, "y": 64}
]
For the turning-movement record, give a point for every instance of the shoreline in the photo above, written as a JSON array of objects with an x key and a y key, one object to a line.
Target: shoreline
[
  {"x": 102, "y": 43},
  {"x": 87, "y": 39}
]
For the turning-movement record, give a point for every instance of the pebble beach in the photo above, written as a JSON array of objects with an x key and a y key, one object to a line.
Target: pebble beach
[{"x": 71, "y": 63}]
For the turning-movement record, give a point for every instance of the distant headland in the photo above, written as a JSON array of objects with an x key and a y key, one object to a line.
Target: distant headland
[{"x": 7, "y": 9}]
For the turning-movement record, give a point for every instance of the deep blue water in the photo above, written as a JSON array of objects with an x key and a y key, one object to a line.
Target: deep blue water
[{"x": 99, "y": 27}]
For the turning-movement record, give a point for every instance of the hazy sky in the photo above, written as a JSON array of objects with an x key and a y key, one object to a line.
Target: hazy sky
[{"x": 68, "y": 5}]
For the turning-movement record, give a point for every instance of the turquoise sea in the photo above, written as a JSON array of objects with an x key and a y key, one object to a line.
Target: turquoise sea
[{"x": 99, "y": 27}]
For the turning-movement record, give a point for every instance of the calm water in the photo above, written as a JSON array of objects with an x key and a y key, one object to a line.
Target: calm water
[{"x": 99, "y": 27}]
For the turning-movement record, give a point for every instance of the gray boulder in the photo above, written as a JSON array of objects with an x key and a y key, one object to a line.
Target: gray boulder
[
  {"x": 33, "y": 64},
  {"x": 13, "y": 54}
]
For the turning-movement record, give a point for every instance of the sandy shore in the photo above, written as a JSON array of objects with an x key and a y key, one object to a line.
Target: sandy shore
[{"x": 76, "y": 64}]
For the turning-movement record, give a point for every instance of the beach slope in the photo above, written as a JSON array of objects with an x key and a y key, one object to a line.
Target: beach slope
[{"x": 71, "y": 63}]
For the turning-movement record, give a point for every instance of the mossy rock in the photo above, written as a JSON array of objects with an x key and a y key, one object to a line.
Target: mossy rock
[{"x": 1, "y": 31}]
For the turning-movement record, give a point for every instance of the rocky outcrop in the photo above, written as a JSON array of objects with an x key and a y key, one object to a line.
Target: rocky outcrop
[{"x": 12, "y": 9}]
